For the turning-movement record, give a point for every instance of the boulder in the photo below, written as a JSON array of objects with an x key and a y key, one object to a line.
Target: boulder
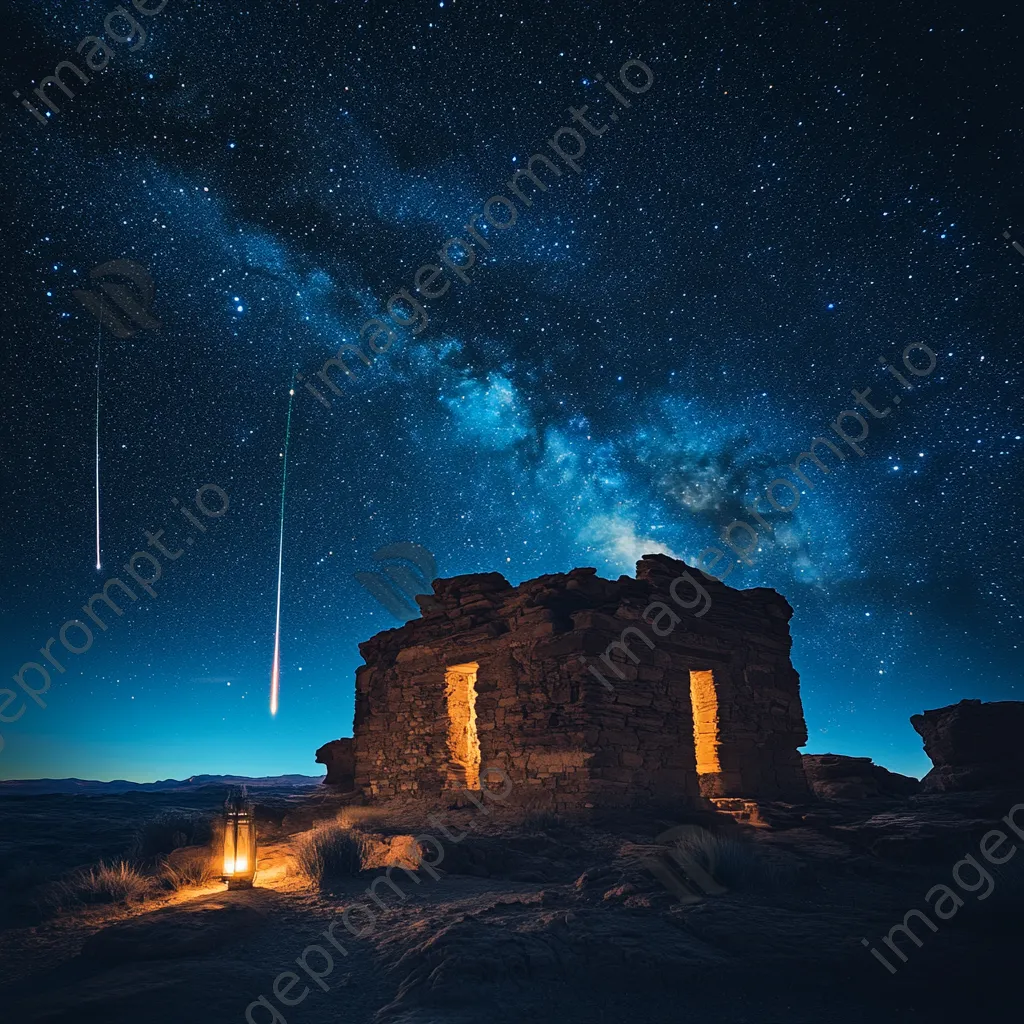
[
  {"x": 340, "y": 758},
  {"x": 973, "y": 745},
  {"x": 276, "y": 862},
  {"x": 837, "y": 777}
]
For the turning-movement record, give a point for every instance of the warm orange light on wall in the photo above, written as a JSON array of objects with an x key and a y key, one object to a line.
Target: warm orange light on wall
[
  {"x": 463, "y": 741},
  {"x": 704, "y": 701}
]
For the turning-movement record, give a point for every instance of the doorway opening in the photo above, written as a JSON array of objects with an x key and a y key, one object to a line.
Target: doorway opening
[
  {"x": 463, "y": 741},
  {"x": 704, "y": 701}
]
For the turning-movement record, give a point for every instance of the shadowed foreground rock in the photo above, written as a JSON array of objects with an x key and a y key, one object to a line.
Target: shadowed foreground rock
[
  {"x": 838, "y": 777},
  {"x": 551, "y": 920},
  {"x": 973, "y": 745},
  {"x": 182, "y": 931}
]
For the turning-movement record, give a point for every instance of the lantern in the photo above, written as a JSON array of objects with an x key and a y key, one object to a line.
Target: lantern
[{"x": 239, "y": 843}]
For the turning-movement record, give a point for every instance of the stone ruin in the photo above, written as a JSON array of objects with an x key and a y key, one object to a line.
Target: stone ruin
[{"x": 584, "y": 691}]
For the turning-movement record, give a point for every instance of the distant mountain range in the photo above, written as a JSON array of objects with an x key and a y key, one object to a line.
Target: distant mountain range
[{"x": 38, "y": 787}]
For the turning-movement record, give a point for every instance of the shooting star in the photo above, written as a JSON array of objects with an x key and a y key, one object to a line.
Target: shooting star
[
  {"x": 99, "y": 342},
  {"x": 275, "y": 674}
]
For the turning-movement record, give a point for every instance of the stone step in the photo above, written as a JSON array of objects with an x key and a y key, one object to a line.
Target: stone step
[
  {"x": 729, "y": 803},
  {"x": 741, "y": 809}
]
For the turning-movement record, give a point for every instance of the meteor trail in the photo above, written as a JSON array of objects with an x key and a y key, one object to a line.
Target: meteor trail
[
  {"x": 99, "y": 341},
  {"x": 275, "y": 674}
]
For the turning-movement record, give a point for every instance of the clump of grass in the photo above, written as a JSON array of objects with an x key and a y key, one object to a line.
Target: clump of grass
[
  {"x": 196, "y": 868},
  {"x": 735, "y": 863},
  {"x": 331, "y": 851},
  {"x": 169, "y": 831},
  {"x": 118, "y": 882}
]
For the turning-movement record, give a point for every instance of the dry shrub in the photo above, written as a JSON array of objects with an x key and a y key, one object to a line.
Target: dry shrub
[
  {"x": 193, "y": 868},
  {"x": 736, "y": 863},
  {"x": 169, "y": 831},
  {"x": 331, "y": 850},
  {"x": 119, "y": 882}
]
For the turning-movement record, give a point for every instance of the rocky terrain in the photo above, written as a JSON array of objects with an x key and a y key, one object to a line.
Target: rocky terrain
[
  {"x": 544, "y": 918},
  {"x": 480, "y": 907},
  {"x": 837, "y": 777}
]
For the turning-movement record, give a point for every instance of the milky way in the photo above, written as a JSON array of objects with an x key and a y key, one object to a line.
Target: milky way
[{"x": 654, "y": 342}]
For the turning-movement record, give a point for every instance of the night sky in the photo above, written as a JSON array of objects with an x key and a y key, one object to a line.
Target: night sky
[{"x": 801, "y": 190}]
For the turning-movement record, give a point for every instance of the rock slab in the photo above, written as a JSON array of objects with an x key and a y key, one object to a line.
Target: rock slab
[
  {"x": 838, "y": 777},
  {"x": 973, "y": 745},
  {"x": 340, "y": 758}
]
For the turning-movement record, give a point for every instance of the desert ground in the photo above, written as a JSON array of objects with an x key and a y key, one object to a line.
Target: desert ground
[{"x": 524, "y": 916}]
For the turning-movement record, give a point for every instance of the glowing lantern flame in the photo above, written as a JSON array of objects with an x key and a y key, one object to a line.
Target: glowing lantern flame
[{"x": 239, "y": 843}]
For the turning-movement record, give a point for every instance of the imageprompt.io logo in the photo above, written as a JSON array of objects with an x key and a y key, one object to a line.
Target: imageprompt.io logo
[
  {"x": 395, "y": 585},
  {"x": 128, "y": 292}
]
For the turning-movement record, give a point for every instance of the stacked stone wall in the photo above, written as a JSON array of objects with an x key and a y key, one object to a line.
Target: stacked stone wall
[{"x": 569, "y": 713}]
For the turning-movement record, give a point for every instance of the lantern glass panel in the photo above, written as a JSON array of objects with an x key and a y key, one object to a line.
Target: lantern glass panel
[{"x": 239, "y": 844}]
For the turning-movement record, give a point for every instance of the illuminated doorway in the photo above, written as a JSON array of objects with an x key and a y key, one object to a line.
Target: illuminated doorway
[
  {"x": 704, "y": 701},
  {"x": 463, "y": 741}
]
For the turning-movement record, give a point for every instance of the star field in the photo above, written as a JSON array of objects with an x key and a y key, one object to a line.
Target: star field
[{"x": 655, "y": 340}]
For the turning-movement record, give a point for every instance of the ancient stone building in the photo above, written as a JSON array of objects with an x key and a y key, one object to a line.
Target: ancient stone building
[{"x": 586, "y": 690}]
